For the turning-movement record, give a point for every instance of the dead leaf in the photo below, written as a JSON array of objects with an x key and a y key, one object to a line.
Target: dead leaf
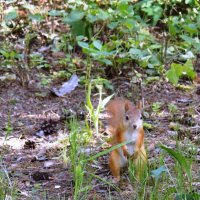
[{"x": 67, "y": 87}]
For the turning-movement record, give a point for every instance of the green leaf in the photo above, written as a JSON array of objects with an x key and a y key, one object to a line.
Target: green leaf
[
  {"x": 83, "y": 44},
  {"x": 157, "y": 172},
  {"x": 191, "y": 28},
  {"x": 178, "y": 68},
  {"x": 91, "y": 18},
  {"x": 4, "y": 53},
  {"x": 97, "y": 44},
  {"x": 29, "y": 6},
  {"x": 113, "y": 25},
  {"x": 155, "y": 46},
  {"x": 189, "y": 70},
  {"x": 89, "y": 105},
  {"x": 79, "y": 28},
  {"x": 188, "y": 64},
  {"x": 129, "y": 23},
  {"x": 187, "y": 39},
  {"x": 172, "y": 76},
  {"x": 173, "y": 30},
  {"x": 157, "y": 14},
  {"x": 125, "y": 9},
  {"x": 55, "y": 13},
  {"x": 180, "y": 158},
  {"x": 74, "y": 16},
  {"x": 106, "y": 100},
  {"x": 37, "y": 17},
  {"x": 105, "y": 61},
  {"x": 154, "y": 60},
  {"x": 188, "y": 1},
  {"x": 136, "y": 53},
  {"x": 150, "y": 66},
  {"x": 11, "y": 15},
  {"x": 122, "y": 60},
  {"x": 102, "y": 15}
]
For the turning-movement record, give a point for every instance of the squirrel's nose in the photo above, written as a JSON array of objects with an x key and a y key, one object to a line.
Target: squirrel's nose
[{"x": 134, "y": 126}]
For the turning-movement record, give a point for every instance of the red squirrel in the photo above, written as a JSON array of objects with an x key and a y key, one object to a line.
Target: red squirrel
[{"x": 125, "y": 124}]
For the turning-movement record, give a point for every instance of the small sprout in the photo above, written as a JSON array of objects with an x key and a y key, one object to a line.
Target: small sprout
[
  {"x": 151, "y": 79},
  {"x": 172, "y": 108},
  {"x": 156, "y": 106},
  {"x": 184, "y": 87},
  {"x": 147, "y": 126},
  {"x": 8, "y": 128},
  {"x": 174, "y": 126},
  {"x": 13, "y": 101}
]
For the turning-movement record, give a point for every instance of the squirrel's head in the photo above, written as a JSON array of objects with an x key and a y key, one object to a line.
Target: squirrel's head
[{"x": 133, "y": 116}]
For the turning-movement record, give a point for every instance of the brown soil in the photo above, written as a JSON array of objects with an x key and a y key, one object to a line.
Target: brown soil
[{"x": 34, "y": 163}]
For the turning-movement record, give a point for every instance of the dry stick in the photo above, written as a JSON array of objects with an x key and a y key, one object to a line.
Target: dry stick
[
  {"x": 166, "y": 38},
  {"x": 102, "y": 27}
]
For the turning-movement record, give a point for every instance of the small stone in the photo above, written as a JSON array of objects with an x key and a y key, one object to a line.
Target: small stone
[{"x": 48, "y": 164}]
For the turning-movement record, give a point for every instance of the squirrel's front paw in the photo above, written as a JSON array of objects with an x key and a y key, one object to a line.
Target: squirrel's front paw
[{"x": 125, "y": 152}]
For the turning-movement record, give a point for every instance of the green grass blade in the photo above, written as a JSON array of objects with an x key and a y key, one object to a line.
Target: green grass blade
[
  {"x": 180, "y": 158},
  {"x": 106, "y": 151}
]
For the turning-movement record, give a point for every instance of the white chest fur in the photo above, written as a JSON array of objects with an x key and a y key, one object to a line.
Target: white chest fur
[{"x": 131, "y": 137}]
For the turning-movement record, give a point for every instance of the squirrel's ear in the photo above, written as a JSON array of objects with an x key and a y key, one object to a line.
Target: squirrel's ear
[
  {"x": 139, "y": 105},
  {"x": 127, "y": 106}
]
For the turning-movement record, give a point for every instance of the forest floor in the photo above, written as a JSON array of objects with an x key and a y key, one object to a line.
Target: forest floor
[
  {"x": 34, "y": 161},
  {"x": 34, "y": 122}
]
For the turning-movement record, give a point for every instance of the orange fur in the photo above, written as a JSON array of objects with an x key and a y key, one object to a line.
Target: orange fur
[{"x": 125, "y": 124}]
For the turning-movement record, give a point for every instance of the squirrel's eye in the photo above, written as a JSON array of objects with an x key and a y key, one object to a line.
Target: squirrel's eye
[
  {"x": 127, "y": 118},
  {"x": 141, "y": 117}
]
